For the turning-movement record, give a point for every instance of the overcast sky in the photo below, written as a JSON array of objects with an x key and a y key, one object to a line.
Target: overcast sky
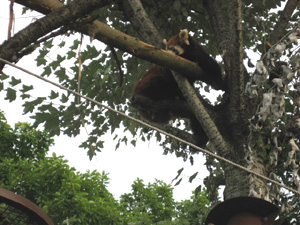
[{"x": 144, "y": 161}]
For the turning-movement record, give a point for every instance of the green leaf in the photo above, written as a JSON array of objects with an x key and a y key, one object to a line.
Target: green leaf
[
  {"x": 48, "y": 43},
  {"x": 193, "y": 177},
  {"x": 198, "y": 190},
  {"x": 47, "y": 71},
  {"x": 178, "y": 174},
  {"x": 29, "y": 106},
  {"x": 3, "y": 76},
  {"x": 54, "y": 64},
  {"x": 14, "y": 81},
  {"x": 133, "y": 142},
  {"x": 53, "y": 95},
  {"x": 61, "y": 74},
  {"x": 71, "y": 54},
  {"x": 64, "y": 98},
  {"x": 62, "y": 44},
  {"x": 40, "y": 61},
  {"x": 91, "y": 152},
  {"x": 75, "y": 45},
  {"x": 26, "y": 88},
  {"x": 50, "y": 121},
  {"x": 24, "y": 96},
  {"x": 10, "y": 94},
  {"x": 178, "y": 182}
]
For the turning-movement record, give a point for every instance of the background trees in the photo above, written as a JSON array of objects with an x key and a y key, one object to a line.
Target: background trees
[
  {"x": 254, "y": 122},
  {"x": 70, "y": 197}
]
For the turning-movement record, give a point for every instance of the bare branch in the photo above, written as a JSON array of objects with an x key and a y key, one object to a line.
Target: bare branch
[
  {"x": 201, "y": 114},
  {"x": 11, "y": 18},
  {"x": 42, "y": 6},
  {"x": 136, "y": 14}
]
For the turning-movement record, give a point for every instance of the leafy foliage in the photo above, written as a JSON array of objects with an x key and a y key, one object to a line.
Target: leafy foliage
[
  {"x": 154, "y": 204},
  {"x": 259, "y": 134},
  {"x": 70, "y": 197},
  {"x": 100, "y": 75},
  {"x": 151, "y": 203},
  {"x": 49, "y": 182},
  {"x": 22, "y": 141}
]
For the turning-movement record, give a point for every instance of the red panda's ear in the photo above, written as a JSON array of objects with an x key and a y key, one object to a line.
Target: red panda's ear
[
  {"x": 165, "y": 42},
  {"x": 184, "y": 35}
]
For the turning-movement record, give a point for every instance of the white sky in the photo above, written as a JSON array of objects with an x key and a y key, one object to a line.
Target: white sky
[{"x": 144, "y": 161}]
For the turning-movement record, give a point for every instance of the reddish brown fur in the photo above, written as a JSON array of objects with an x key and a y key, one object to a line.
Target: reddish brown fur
[
  {"x": 157, "y": 84},
  {"x": 189, "y": 48}
]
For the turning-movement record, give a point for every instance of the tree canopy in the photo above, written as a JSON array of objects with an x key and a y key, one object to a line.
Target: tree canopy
[
  {"x": 254, "y": 122},
  {"x": 70, "y": 197}
]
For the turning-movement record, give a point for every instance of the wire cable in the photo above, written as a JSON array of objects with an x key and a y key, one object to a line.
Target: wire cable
[{"x": 154, "y": 128}]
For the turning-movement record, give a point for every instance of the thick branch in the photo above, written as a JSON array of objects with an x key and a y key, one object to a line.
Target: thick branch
[
  {"x": 136, "y": 14},
  {"x": 56, "y": 19},
  {"x": 140, "y": 49},
  {"x": 42, "y": 6},
  {"x": 285, "y": 15},
  {"x": 201, "y": 114}
]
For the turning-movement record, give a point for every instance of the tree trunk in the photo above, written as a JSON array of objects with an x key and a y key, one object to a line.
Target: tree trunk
[{"x": 241, "y": 183}]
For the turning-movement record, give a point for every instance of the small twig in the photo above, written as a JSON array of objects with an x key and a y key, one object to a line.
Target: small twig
[{"x": 11, "y": 18}]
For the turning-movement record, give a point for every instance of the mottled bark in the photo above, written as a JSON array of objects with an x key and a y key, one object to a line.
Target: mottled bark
[
  {"x": 240, "y": 183},
  {"x": 201, "y": 114}
]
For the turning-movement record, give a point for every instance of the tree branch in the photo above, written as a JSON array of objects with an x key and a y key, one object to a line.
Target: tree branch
[
  {"x": 280, "y": 27},
  {"x": 133, "y": 46},
  {"x": 136, "y": 14},
  {"x": 64, "y": 15},
  {"x": 42, "y": 6},
  {"x": 201, "y": 114}
]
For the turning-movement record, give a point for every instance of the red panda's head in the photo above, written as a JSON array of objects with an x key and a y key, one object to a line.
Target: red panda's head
[{"x": 177, "y": 43}]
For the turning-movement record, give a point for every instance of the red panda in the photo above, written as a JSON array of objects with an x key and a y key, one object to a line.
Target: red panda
[
  {"x": 158, "y": 82},
  {"x": 189, "y": 48}
]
